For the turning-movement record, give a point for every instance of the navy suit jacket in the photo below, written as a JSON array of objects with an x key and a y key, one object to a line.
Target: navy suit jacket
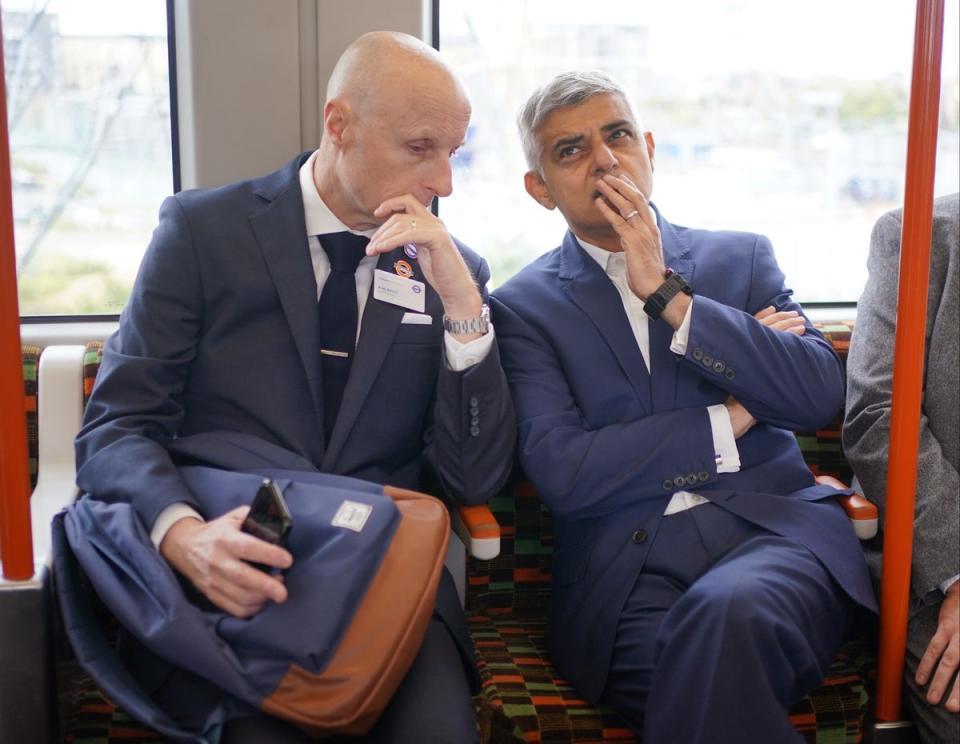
[
  {"x": 220, "y": 335},
  {"x": 607, "y": 444}
]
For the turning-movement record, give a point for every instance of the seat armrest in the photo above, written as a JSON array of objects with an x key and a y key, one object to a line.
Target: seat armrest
[
  {"x": 60, "y": 410},
  {"x": 863, "y": 515},
  {"x": 478, "y": 529}
]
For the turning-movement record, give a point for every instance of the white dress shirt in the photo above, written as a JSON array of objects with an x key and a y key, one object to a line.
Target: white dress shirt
[
  {"x": 724, "y": 443},
  {"x": 321, "y": 221}
]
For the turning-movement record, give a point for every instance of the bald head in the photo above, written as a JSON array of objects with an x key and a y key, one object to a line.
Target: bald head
[
  {"x": 383, "y": 69},
  {"x": 395, "y": 114}
]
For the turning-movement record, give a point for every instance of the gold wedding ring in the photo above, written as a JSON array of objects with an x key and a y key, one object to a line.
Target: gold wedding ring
[{"x": 413, "y": 224}]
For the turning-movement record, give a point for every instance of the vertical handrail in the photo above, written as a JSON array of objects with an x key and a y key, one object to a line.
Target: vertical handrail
[
  {"x": 16, "y": 535},
  {"x": 909, "y": 356}
]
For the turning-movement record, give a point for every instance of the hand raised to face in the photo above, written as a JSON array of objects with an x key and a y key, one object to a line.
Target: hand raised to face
[
  {"x": 407, "y": 221},
  {"x": 626, "y": 209}
]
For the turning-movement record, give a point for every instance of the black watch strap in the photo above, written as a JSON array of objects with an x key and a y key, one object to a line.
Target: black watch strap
[{"x": 657, "y": 302}]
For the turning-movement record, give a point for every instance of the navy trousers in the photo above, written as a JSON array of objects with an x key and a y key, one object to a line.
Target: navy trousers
[
  {"x": 725, "y": 627},
  {"x": 432, "y": 704}
]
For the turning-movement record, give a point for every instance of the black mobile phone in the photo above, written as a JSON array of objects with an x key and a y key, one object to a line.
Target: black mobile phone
[{"x": 269, "y": 517}]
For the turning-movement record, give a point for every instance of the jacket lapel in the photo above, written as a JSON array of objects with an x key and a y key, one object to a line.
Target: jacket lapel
[
  {"x": 282, "y": 233},
  {"x": 379, "y": 325},
  {"x": 592, "y": 291},
  {"x": 663, "y": 362}
]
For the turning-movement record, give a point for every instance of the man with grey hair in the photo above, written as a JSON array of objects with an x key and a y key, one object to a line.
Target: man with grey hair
[
  {"x": 323, "y": 317},
  {"x": 702, "y": 580}
]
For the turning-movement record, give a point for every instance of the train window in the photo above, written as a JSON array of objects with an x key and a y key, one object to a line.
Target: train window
[
  {"x": 88, "y": 105},
  {"x": 788, "y": 119}
]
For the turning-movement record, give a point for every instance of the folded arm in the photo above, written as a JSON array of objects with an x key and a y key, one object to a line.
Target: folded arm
[
  {"x": 784, "y": 378},
  {"x": 582, "y": 470}
]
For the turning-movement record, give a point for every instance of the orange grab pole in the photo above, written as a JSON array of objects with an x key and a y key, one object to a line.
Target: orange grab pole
[
  {"x": 16, "y": 536},
  {"x": 908, "y": 356}
]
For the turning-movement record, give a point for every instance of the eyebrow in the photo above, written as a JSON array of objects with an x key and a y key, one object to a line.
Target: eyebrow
[{"x": 576, "y": 139}]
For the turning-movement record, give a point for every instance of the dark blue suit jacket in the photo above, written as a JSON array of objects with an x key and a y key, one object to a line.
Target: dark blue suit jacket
[
  {"x": 220, "y": 335},
  {"x": 607, "y": 444}
]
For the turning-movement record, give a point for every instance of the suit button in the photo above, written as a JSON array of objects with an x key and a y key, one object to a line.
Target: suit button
[
  {"x": 679, "y": 481},
  {"x": 697, "y": 354},
  {"x": 729, "y": 374},
  {"x": 691, "y": 479},
  {"x": 475, "y": 420},
  {"x": 474, "y": 411},
  {"x": 719, "y": 366},
  {"x": 707, "y": 360},
  {"x": 474, "y": 401},
  {"x": 639, "y": 536},
  {"x": 474, "y": 431},
  {"x": 667, "y": 485},
  {"x": 703, "y": 476}
]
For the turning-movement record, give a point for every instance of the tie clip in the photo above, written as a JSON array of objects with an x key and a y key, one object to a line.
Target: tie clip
[{"x": 330, "y": 352}]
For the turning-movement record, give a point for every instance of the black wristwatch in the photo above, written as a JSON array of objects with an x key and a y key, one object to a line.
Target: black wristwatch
[{"x": 657, "y": 302}]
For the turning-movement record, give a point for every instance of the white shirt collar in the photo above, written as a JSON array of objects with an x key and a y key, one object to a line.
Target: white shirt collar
[
  {"x": 602, "y": 256},
  {"x": 317, "y": 215}
]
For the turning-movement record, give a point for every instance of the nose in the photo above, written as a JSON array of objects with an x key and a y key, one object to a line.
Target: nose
[
  {"x": 605, "y": 161},
  {"x": 441, "y": 179}
]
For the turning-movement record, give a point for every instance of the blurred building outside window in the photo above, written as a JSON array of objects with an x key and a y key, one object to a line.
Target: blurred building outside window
[
  {"x": 787, "y": 119},
  {"x": 88, "y": 104}
]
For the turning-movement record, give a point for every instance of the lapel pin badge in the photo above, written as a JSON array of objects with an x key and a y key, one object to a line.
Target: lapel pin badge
[
  {"x": 402, "y": 268},
  {"x": 410, "y": 250}
]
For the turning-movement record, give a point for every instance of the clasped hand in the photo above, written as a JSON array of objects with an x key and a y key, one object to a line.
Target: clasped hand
[{"x": 408, "y": 221}]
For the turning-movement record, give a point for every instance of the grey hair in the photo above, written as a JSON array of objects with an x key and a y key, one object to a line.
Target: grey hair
[{"x": 566, "y": 89}]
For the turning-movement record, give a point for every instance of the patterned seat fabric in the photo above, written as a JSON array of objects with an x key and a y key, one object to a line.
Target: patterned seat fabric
[
  {"x": 31, "y": 362},
  {"x": 524, "y": 699}
]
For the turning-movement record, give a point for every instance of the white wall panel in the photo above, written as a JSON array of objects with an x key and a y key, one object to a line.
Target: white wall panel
[{"x": 252, "y": 76}]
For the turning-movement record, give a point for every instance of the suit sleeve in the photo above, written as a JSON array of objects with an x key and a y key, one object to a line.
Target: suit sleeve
[
  {"x": 866, "y": 432},
  {"x": 789, "y": 381},
  {"x": 136, "y": 405},
  {"x": 470, "y": 444},
  {"x": 583, "y": 471}
]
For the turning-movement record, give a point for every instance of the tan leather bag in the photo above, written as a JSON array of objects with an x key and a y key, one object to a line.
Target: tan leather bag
[{"x": 385, "y": 635}]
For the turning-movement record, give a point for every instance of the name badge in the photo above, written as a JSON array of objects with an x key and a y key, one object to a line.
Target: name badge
[{"x": 397, "y": 290}]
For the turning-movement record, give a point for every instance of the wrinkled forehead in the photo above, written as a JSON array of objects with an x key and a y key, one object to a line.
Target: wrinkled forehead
[
  {"x": 419, "y": 112},
  {"x": 595, "y": 114}
]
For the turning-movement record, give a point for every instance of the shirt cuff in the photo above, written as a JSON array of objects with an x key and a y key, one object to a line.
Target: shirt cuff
[
  {"x": 948, "y": 583},
  {"x": 679, "y": 343},
  {"x": 166, "y": 519},
  {"x": 462, "y": 356},
  {"x": 724, "y": 443}
]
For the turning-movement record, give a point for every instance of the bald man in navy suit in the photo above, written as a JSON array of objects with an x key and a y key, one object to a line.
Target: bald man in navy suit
[{"x": 318, "y": 317}]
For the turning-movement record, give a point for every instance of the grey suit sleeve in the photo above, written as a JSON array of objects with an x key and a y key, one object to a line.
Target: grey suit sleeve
[
  {"x": 867, "y": 427},
  {"x": 472, "y": 440}
]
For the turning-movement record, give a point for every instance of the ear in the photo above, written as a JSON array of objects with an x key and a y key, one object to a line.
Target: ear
[
  {"x": 336, "y": 115},
  {"x": 651, "y": 147},
  {"x": 537, "y": 188}
]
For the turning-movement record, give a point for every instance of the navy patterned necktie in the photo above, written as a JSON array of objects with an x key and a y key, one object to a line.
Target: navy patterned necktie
[{"x": 338, "y": 318}]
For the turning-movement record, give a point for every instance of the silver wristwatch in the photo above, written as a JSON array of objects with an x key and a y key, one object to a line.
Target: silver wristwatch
[{"x": 479, "y": 324}]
